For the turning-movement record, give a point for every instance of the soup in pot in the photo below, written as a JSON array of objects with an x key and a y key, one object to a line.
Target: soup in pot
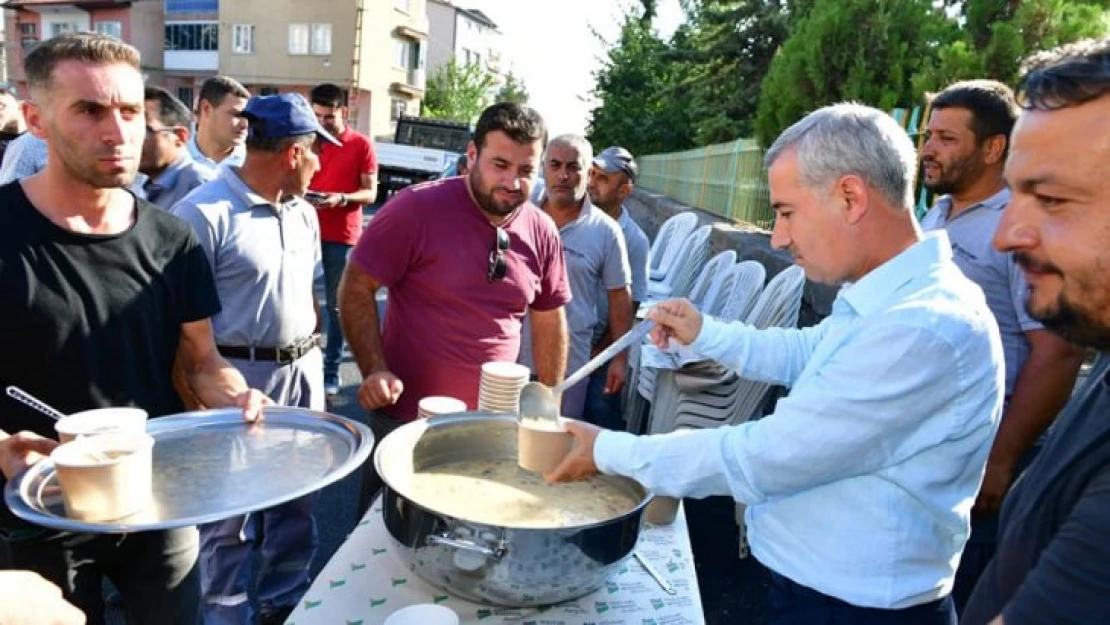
[{"x": 499, "y": 492}]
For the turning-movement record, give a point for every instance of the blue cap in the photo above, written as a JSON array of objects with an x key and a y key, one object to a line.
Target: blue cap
[
  {"x": 283, "y": 115},
  {"x": 616, "y": 158}
]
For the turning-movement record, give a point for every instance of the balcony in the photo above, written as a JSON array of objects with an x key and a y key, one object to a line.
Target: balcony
[{"x": 413, "y": 87}]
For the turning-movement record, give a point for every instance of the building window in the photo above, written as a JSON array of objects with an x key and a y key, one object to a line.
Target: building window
[
  {"x": 112, "y": 29},
  {"x": 397, "y": 109},
  {"x": 192, "y": 6},
  {"x": 402, "y": 53},
  {"x": 268, "y": 91},
  {"x": 185, "y": 94},
  {"x": 402, "y": 5},
  {"x": 61, "y": 28},
  {"x": 298, "y": 39},
  {"x": 193, "y": 36},
  {"x": 29, "y": 30},
  {"x": 321, "y": 38},
  {"x": 242, "y": 38}
]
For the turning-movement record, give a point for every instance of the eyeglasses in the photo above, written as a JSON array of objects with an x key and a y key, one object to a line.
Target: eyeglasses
[
  {"x": 497, "y": 265},
  {"x": 154, "y": 131}
]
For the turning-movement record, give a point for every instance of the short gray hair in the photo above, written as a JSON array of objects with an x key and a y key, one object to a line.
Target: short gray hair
[
  {"x": 578, "y": 142},
  {"x": 849, "y": 138}
]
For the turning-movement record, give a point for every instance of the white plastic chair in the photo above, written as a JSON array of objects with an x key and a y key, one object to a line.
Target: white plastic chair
[
  {"x": 710, "y": 277},
  {"x": 745, "y": 283},
  {"x": 667, "y": 242},
  {"x": 688, "y": 261}
]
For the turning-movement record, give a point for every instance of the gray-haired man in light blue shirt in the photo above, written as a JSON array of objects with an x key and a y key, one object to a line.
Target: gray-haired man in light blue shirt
[{"x": 859, "y": 486}]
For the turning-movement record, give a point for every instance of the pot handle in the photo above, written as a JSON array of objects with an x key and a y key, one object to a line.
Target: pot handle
[{"x": 496, "y": 553}]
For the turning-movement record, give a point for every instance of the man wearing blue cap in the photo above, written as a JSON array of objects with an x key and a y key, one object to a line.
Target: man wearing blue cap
[{"x": 263, "y": 241}]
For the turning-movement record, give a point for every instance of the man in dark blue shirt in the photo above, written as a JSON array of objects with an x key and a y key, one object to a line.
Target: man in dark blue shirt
[{"x": 1054, "y": 542}]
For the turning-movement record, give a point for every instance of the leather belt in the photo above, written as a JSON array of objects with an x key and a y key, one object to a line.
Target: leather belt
[{"x": 280, "y": 355}]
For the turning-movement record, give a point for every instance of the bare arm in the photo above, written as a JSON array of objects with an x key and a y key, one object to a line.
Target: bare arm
[
  {"x": 549, "y": 344},
  {"x": 358, "y": 312},
  {"x": 213, "y": 381},
  {"x": 1041, "y": 390},
  {"x": 620, "y": 322},
  {"x": 367, "y": 193}
]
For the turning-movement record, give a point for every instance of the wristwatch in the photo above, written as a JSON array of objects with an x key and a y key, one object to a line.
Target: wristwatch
[{"x": 342, "y": 199}]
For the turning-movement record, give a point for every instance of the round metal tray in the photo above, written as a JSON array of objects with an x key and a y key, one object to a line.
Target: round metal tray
[{"x": 211, "y": 465}]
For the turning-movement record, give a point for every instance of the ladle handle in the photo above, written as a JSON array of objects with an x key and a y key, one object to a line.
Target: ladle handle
[
  {"x": 635, "y": 334},
  {"x": 28, "y": 399}
]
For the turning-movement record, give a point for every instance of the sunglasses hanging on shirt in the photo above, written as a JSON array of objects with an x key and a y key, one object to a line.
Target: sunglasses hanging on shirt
[{"x": 495, "y": 272}]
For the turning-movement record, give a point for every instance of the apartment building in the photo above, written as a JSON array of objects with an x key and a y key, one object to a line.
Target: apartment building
[
  {"x": 463, "y": 35},
  {"x": 376, "y": 49}
]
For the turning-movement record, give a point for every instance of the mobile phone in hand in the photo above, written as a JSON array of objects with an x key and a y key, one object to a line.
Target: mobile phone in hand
[{"x": 315, "y": 197}]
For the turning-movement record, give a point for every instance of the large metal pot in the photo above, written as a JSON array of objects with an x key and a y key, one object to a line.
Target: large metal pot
[{"x": 506, "y": 566}]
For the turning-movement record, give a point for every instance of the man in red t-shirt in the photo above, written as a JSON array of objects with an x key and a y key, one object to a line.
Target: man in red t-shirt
[
  {"x": 347, "y": 180},
  {"x": 464, "y": 260}
]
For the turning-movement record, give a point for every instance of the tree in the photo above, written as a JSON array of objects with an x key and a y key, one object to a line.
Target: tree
[
  {"x": 513, "y": 90},
  {"x": 863, "y": 50},
  {"x": 729, "y": 49},
  {"x": 998, "y": 34},
  {"x": 642, "y": 105},
  {"x": 458, "y": 92}
]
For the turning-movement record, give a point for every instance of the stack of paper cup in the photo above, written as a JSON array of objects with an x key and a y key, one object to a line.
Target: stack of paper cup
[
  {"x": 437, "y": 405},
  {"x": 499, "y": 389}
]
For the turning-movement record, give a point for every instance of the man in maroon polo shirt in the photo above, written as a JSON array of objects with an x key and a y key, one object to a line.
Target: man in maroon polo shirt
[
  {"x": 348, "y": 179},
  {"x": 464, "y": 259}
]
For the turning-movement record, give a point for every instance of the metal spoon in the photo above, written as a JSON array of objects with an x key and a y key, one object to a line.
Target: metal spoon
[
  {"x": 540, "y": 401},
  {"x": 659, "y": 579},
  {"x": 28, "y": 399}
]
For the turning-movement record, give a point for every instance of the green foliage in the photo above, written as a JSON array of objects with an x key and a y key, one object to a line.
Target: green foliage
[
  {"x": 458, "y": 92},
  {"x": 513, "y": 90},
  {"x": 642, "y": 105},
  {"x": 862, "y": 50}
]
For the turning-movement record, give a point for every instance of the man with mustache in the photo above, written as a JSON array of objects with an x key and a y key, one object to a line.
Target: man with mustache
[
  {"x": 859, "y": 486},
  {"x": 963, "y": 157},
  {"x": 464, "y": 259},
  {"x": 597, "y": 265},
  {"x": 1054, "y": 533}
]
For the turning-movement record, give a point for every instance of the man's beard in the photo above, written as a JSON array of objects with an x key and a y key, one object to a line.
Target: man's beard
[
  {"x": 486, "y": 200},
  {"x": 1064, "y": 317}
]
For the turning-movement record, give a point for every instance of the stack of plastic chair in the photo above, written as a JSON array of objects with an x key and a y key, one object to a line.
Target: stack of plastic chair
[
  {"x": 740, "y": 288},
  {"x": 667, "y": 241},
  {"x": 710, "y": 277},
  {"x": 691, "y": 256}
]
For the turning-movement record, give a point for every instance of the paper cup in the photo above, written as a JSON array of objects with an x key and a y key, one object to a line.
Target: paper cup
[
  {"x": 423, "y": 614},
  {"x": 101, "y": 421},
  {"x": 505, "y": 371},
  {"x": 541, "y": 446},
  {"x": 661, "y": 510},
  {"x": 437, "y": 405},
  {"x": 105, "y": 477}
]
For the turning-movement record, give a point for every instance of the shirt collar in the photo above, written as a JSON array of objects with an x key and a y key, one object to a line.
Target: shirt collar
[
  {"x": 873, "y": 290},
  {"x": 583, "y": 214},
  {"x": 996, "y": 202},
  {"x": 168, "y": 178},
  {"x": 246, "y": 196}
]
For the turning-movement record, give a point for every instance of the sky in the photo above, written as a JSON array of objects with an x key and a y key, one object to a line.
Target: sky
[{"x": 550, "y": 45}]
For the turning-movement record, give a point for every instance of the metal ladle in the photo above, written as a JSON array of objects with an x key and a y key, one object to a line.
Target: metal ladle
[{"x": 540, "y": 401}]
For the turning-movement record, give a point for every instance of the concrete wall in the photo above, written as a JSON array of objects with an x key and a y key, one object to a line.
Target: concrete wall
[{"x": 650, "y": 210}]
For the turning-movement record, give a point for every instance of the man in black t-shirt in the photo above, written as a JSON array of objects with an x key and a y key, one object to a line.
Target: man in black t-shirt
[{"x": 103, "y": 295}]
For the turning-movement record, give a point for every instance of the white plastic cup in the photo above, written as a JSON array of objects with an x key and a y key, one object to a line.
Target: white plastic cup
[
  {"x": 105, "y": 477},
  {"x": 423, "y": 614},
  {"x": 101, "y": 421}
]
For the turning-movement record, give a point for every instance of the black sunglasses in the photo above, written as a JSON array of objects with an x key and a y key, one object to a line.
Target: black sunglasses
[{"x": 497, "y": 265}]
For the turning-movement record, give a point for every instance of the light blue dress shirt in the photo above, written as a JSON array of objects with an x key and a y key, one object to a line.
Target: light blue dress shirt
[
  {"x": 235, "y": 159},
  {"x": 860, "y": 485}
]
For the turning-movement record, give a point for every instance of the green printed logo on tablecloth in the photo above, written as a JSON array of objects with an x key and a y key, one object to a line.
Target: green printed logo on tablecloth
[
  {"x": 439, "y": 598},
  {"x": 677, "y": 553},
  {"x": 377, "y": 552},
  {"x": 601, "y": 607},
  {"x": 357, "y": 566},
  {"x": 484, "y": 614},
  {"x": 612, "y": 588},
  {"x": 397, "y": 581},
  {"x": 364, "y": 522},
  {"x": 308, "y": 605},
  {"x": 622, "y": 570},
  {"x": 672, "y": 566},
  {"x": 336, "y": 583},
  {"x": 658, "y": 604},
  {"x": 648, "y": 621},
  {"x": 358, "y": 622},
  {"x": 377, "y": 603}
]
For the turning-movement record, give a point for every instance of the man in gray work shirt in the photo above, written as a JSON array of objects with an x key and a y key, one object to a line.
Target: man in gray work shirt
[
  {"x": 171, "y": 172},
  {"x": 963, "y": 157},
  {"x": 263, "y": 242},
  {"x": 597, "y": 265},
  {"x": 612, "y": 177}
]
